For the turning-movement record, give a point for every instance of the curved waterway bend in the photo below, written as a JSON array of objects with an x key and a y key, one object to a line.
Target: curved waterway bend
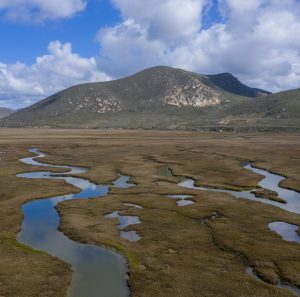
[
  {"x": 96, "y": 271},
  {"x": 269, "y": 182}
]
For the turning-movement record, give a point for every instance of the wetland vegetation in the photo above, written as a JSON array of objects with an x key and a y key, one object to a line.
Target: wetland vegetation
[{"x": 201, "y": 249}]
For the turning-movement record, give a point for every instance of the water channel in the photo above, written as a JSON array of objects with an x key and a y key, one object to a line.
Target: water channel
[{"x": 96, "y": 271}]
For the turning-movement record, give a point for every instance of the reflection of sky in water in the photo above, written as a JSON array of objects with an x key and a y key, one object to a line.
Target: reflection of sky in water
[
  {"x": 184, "y": 202},
  {"x": 122, "y": 182},
  {"x": 287, "y": 231},
  {"x": 32, "y": 161},
  {"x": 182, "y": 199},
  {"x": 125, "y": 221},
  {"x": 269, "y": 182},
  {"x": 97, "y": 271},
  {"x": 130, "y": 235}
]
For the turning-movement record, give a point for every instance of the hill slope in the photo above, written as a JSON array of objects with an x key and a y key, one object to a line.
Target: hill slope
[
  {"x": 165, "y": 98},
  {"x": 229, "y": 83},
  {"x": 283, "y": 105},
  {"x": 157, "y": 92},
  {"x": 280, "y": 111},
  {"x": 4, "y": 112}
]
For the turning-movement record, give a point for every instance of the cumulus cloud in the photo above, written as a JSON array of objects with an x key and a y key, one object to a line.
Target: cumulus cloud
[
  {"x": 126, "y": 49},
  {"x": 22, "y": 84},
  {"x": 171, "y": 20},
  {"x": 40, "y": 10},
  {"x": 255, "y": 40}
]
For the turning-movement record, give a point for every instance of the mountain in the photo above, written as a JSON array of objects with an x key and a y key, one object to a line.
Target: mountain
[
  {"x": 4, "y": 112},
  {"x": 163, "y": 98},
  {"x": 280, "y": 111},
  {"x": 229, "y": 83}
]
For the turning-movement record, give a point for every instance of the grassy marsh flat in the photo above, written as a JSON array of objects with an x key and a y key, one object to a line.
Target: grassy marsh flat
[{"x": 183, "y": 251}]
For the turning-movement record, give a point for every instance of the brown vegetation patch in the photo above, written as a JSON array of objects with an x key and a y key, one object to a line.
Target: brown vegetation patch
[{"x": 178, "y": 254}]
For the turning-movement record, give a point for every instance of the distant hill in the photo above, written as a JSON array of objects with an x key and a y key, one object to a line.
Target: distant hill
[
  {"x": 280, "y": 111},
  {"x": 4, "y": 112},
  {"x": 164, "y": 98},
  {"x": 229, "y": 83},
  {"x": 283, "y": 105}
]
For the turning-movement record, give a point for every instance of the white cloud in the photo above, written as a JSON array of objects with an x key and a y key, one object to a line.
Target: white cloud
[
  {"x": 126, "y": 49},
  {"x": 256, "y": 40},
  {"x": 40, "y": 10},
  {"x": 22, "y": 84},
  {"x": 171, "y": 20},
  {"x": 151, "y": 30}
]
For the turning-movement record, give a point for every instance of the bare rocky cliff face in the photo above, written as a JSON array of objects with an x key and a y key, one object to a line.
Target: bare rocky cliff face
[{"x": 194, "y": 94}]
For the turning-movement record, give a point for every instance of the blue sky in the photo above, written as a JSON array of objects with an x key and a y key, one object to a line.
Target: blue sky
[
  {"x": 46, "y": 46},
  {"x": 34, "y": 38}
]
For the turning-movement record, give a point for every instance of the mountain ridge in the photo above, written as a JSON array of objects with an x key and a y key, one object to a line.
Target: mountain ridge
[{"x": 154, "y": 98}]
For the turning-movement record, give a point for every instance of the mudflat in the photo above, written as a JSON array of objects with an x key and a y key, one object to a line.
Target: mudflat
[{"x": 202, "y": 249}]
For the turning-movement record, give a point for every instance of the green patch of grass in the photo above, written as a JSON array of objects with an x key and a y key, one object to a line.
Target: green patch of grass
[
  {"x": 10, "y": 240},
  {"x": 130, "y": 255}
]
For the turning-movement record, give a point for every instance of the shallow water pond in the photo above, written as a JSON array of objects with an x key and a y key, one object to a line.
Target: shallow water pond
[
  {"x": 287, "y": 231},
  {"x": 125, "y": 221},
  {"x": 182, "y": 199}
]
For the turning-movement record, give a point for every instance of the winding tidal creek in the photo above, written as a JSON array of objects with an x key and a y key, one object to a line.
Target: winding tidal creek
[
  {"x": 99, "y": 271},
  {"x": 96, "y": 271},
  {"x": 290, "y": 203},
  {"x": 270, "y": 181}
]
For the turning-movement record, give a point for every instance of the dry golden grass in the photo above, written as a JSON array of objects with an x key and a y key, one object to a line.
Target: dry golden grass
[
  {"x": 267, "y": 194},
  {"x": 183, "y": 251}
]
